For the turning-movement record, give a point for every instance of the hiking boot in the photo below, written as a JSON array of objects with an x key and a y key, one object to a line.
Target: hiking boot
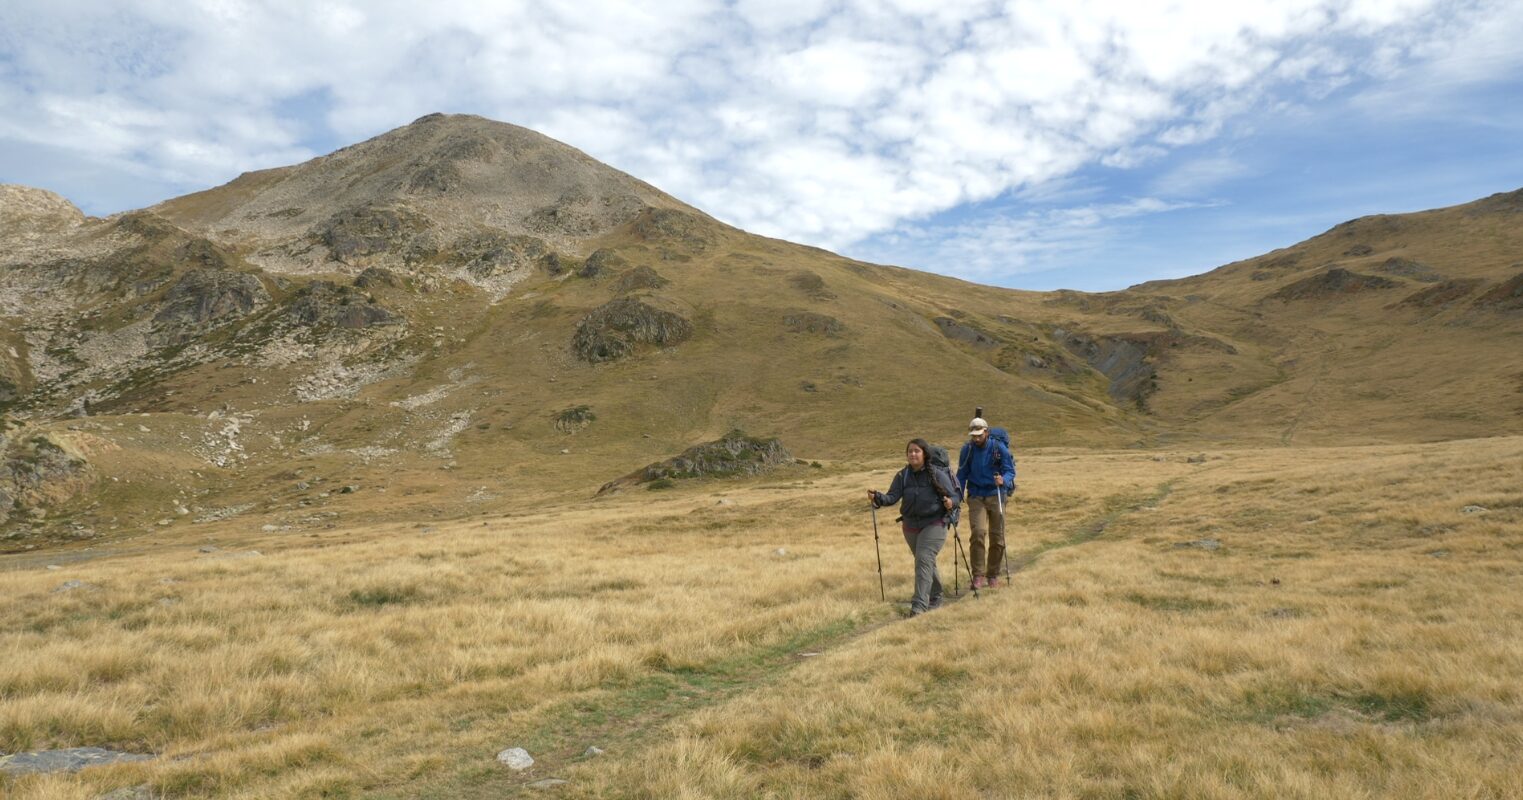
[
  {"x": 992, "y": 583},
  {"x": 935, "y": 604},
  {"x": 979, "y": 582}
]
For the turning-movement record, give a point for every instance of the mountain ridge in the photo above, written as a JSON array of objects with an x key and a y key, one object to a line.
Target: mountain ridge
[{"x": 444, "y": 295}]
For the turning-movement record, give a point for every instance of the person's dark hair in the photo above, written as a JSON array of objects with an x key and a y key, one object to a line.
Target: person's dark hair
[{"x": 925, "y": 449}]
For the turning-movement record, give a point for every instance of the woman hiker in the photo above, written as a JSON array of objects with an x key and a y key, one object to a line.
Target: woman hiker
[{"x": 928, "y": 496}]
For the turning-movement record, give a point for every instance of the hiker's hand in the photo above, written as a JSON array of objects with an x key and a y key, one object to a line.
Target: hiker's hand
[
  {"x": 947, "y": 501},
  {"x": 872, "y": 496},
  {"x": 999, "y": 480}
]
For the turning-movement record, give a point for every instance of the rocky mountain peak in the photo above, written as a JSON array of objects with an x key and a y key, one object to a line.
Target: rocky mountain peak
[
  {"x": 29, "y": 213},
  {"x": 414, "y": 193}
]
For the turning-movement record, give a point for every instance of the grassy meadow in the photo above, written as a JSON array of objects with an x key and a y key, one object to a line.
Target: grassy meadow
[{"x": 1302, "y": 623}]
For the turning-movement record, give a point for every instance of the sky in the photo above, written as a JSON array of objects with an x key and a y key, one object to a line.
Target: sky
[{"x": 1086, "y": 144}]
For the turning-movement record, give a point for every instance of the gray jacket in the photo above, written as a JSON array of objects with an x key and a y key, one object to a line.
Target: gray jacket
[{"x": 922, "y": 504}]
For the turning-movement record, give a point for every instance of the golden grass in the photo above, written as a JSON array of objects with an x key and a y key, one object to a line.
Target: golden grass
[{"x": 1355, "y": 635}]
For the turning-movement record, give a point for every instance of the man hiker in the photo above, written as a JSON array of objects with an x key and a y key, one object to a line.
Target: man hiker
[{"x": 987, "y": 470}]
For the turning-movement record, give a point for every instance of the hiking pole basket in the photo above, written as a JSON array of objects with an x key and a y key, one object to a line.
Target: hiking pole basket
[{"x": 881, "y": 593}]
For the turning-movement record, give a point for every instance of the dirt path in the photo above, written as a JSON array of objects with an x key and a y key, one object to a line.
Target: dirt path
[{"x": 631, "y": 719}]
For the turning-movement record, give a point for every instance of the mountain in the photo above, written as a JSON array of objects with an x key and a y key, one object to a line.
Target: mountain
[{"x": 464, "y": 315}]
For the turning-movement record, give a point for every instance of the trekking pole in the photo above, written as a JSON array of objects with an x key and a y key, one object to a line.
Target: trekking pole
[
  {"x": 957, "y": 538},
  {"x": 1004, "y": 530},
  {"x": 881, "y": 593}
]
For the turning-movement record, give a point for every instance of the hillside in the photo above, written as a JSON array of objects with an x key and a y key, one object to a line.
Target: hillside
[{"x": 463, "y": 315}]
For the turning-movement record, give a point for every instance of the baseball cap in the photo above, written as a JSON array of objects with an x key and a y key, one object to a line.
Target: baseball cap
[{"x": 978, "y": 425}]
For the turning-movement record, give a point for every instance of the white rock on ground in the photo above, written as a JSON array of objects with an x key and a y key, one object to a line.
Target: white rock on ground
[{"x": 515, "y": 758}]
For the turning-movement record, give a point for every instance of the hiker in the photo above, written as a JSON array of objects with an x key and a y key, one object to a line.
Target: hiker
[
  {"x": 929, "y": 498},
  {"x": 986, "y": 468}
]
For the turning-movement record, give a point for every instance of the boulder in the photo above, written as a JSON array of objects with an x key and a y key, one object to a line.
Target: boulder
[
  {"x": 614, "y": 329},
  {"x": 733, "y": 455}
]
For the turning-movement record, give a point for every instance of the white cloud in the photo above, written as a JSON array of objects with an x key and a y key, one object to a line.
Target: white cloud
[
  {"x": 825, "y": 121},
  {"x": 999, "y": 245}
]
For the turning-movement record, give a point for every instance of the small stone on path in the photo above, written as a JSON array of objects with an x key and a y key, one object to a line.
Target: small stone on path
[
  {"x": 548, "y": 783},
  {"x": 1474, "y": 510},
  {"x": 593, "y": 751},
  {"x": 515, "y": 758}
]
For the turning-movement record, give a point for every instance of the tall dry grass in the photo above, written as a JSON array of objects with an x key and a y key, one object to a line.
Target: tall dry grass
[{"x": 1354, "y": 635}]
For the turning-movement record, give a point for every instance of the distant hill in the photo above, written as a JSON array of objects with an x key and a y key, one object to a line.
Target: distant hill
[{"x": 471, "y": 313}]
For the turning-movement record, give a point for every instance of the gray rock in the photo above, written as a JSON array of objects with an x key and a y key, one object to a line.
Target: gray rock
[
  {"x": 71, "y": 585},
  {"x": 203, "y": 298},
  {"x": 1200, "y": 459},
  {"x": 1474, "y": 510},
  {"x": 72, "y": 759},
  {"x": 142, "y": 792},
  {"x": 515, "y": 758},
  {"x": 208, "y": 548},
  {"x": 1202, "y": 544},
  {"x": 614, "y": 329},
  {"x": 593, "y": 752},
  {"x": 548, "y": 783},
  {"x": 350, "y": 489}
]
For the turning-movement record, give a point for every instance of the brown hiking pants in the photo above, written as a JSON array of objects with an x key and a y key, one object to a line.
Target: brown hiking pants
[{"x": 986, "y": 520}]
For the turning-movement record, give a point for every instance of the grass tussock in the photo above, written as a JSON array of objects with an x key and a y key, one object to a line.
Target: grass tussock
[{"x": 1353, "y": 633}]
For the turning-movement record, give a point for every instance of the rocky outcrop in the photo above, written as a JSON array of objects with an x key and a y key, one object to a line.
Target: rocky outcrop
[
  {"x": 373, "y": 278},
  {"x": 967, "y": 334},
  {"x": 1440, "y": 295},
  {"x": 1407, "y": 268},
  {"x": 1508, "y": 296},
  {"x": 369, "y": 230},
  {"x": 641, "y": 277},
  {"x": 27, "y": 213},
  {"x": 669, "y": 226},
  {"x": 203, "y": 298},
  {"x": 811, "y": 284},
  {"x": 326, "y": 305},
  {"x": 810, "y": 322},
  {"x": 602, "y": 262},
  {"x": 613, "y": 330},
  {"x": 491, "y": 253},
  {"x": 1334, "y": 283},
  {"x": 733, "y": 455},
  {"x": 39, "y": 471}
]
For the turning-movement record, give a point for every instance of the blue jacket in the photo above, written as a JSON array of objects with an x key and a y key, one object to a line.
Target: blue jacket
[{"x": 976, "y": 467}]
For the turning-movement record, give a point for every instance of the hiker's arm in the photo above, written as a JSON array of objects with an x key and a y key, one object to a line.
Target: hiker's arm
[
  {"x": 948, "y": 493},
  {"x": 895, "y": 489}
]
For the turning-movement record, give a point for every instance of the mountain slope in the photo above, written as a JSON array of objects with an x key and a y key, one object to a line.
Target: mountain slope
[{"x": 472, "y": 316}]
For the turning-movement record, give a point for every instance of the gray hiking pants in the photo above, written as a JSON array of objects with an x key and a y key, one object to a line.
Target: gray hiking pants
[{"x": 926, "y": 543}]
